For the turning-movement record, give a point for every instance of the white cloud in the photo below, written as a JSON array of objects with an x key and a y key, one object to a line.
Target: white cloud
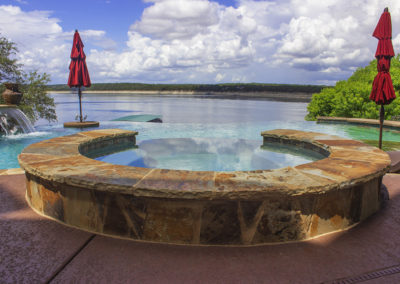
[
  {"x": 179, "y": 39},
  {"x": 219, "y": 77},
  {"x": 332, "y": 36},
  {"x": 39, "y": 38},
  {"x": 176, "y": 19},
  {"x": 292, "y": 41},
  {"x": 42, "y": 43}
]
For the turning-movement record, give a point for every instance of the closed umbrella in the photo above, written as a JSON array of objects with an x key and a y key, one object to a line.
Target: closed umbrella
[
  {"x": 78, "y": 72},
  {"x": 382, "y": 88}
]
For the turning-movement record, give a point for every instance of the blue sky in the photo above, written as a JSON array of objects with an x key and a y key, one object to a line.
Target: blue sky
[
  {"x": 199, "y": 41},
  {"x": 115, "y": 17}
]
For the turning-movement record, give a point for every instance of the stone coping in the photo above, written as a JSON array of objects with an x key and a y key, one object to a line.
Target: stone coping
[
  {"x": 361, "y": 121},
  {"x": 204, "y": 207},
  {"x": 62, "y": 160}
]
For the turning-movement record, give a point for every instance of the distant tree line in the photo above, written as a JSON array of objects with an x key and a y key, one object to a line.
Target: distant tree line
[{"x": 233, "y": 87}]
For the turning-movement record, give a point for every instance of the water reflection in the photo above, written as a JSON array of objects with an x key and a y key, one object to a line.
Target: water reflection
[
  {"x": 209, "y": 154},
  {"x": 178, "y": 109}
]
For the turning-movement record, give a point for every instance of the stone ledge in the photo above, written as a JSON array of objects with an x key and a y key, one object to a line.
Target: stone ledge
[
  {"x": 361, "y": 121},
  {"x": 195, "y": 207}
]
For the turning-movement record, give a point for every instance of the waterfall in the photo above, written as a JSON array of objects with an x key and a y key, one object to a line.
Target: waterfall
[{"x": 14, "y": 121}]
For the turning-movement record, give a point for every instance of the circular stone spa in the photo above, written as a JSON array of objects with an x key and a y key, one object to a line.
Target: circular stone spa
[{"x": 204, "y": 207}]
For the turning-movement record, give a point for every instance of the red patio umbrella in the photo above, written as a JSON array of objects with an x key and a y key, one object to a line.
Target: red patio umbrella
[
  {"x": 78, "y": 72},
  {"x": 382, "y": 88}
]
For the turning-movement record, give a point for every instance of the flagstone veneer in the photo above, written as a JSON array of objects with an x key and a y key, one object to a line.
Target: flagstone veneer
[{"x": 204, "y": 207}]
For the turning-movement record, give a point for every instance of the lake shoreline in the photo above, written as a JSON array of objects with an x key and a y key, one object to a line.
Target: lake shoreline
[{"x": 275, "y": 96}]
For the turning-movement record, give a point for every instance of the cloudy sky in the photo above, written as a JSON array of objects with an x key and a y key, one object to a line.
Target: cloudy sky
[{"x": 199, "y": 41}]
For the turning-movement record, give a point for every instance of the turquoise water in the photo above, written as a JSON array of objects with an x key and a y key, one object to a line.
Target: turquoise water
[
  {"x": 183, "y": 117},
  {"x": 210, "y": 154}
]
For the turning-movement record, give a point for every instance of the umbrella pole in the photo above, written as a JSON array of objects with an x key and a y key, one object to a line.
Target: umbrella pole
[
  {"x": 381, "y": 118},
  {"x": 80, "y": 103}
]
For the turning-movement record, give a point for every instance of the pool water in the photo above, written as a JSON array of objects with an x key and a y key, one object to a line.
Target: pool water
[
  {"x": 183, "y": 117},
  {"x": 210, "y": 154}
]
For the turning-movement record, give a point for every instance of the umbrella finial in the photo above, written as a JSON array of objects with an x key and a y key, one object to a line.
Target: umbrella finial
[{"x": 386, "y": 9}]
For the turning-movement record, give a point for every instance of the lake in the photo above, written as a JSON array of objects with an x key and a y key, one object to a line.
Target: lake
[
  {"x": 183, "y": 117},
  {"x": 177, "y": 109}
]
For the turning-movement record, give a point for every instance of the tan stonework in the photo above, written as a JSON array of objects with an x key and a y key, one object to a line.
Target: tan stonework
[
  {"x": 204, "y": 207},
  {"x": 360, "y": 121}
]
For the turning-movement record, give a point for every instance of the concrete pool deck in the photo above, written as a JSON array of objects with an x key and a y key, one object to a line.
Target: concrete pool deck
[{"x": 37, "y": 250}]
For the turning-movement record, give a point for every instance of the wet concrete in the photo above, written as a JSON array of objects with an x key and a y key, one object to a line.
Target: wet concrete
[
  {"x": 32, "y": 247},
  {"x": 395, "y": 158},
  {"x": 37, "y": 250}
]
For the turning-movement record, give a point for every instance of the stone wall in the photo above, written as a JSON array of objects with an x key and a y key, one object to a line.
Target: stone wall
[{"x": 210, "y": 208}]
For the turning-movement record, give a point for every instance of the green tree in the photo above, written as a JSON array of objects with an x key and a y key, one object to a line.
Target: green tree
[
  {"x": 350, "y": 98},
  {"x": 36, "y": 103},
  {"x": 9, "y": 69}
]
